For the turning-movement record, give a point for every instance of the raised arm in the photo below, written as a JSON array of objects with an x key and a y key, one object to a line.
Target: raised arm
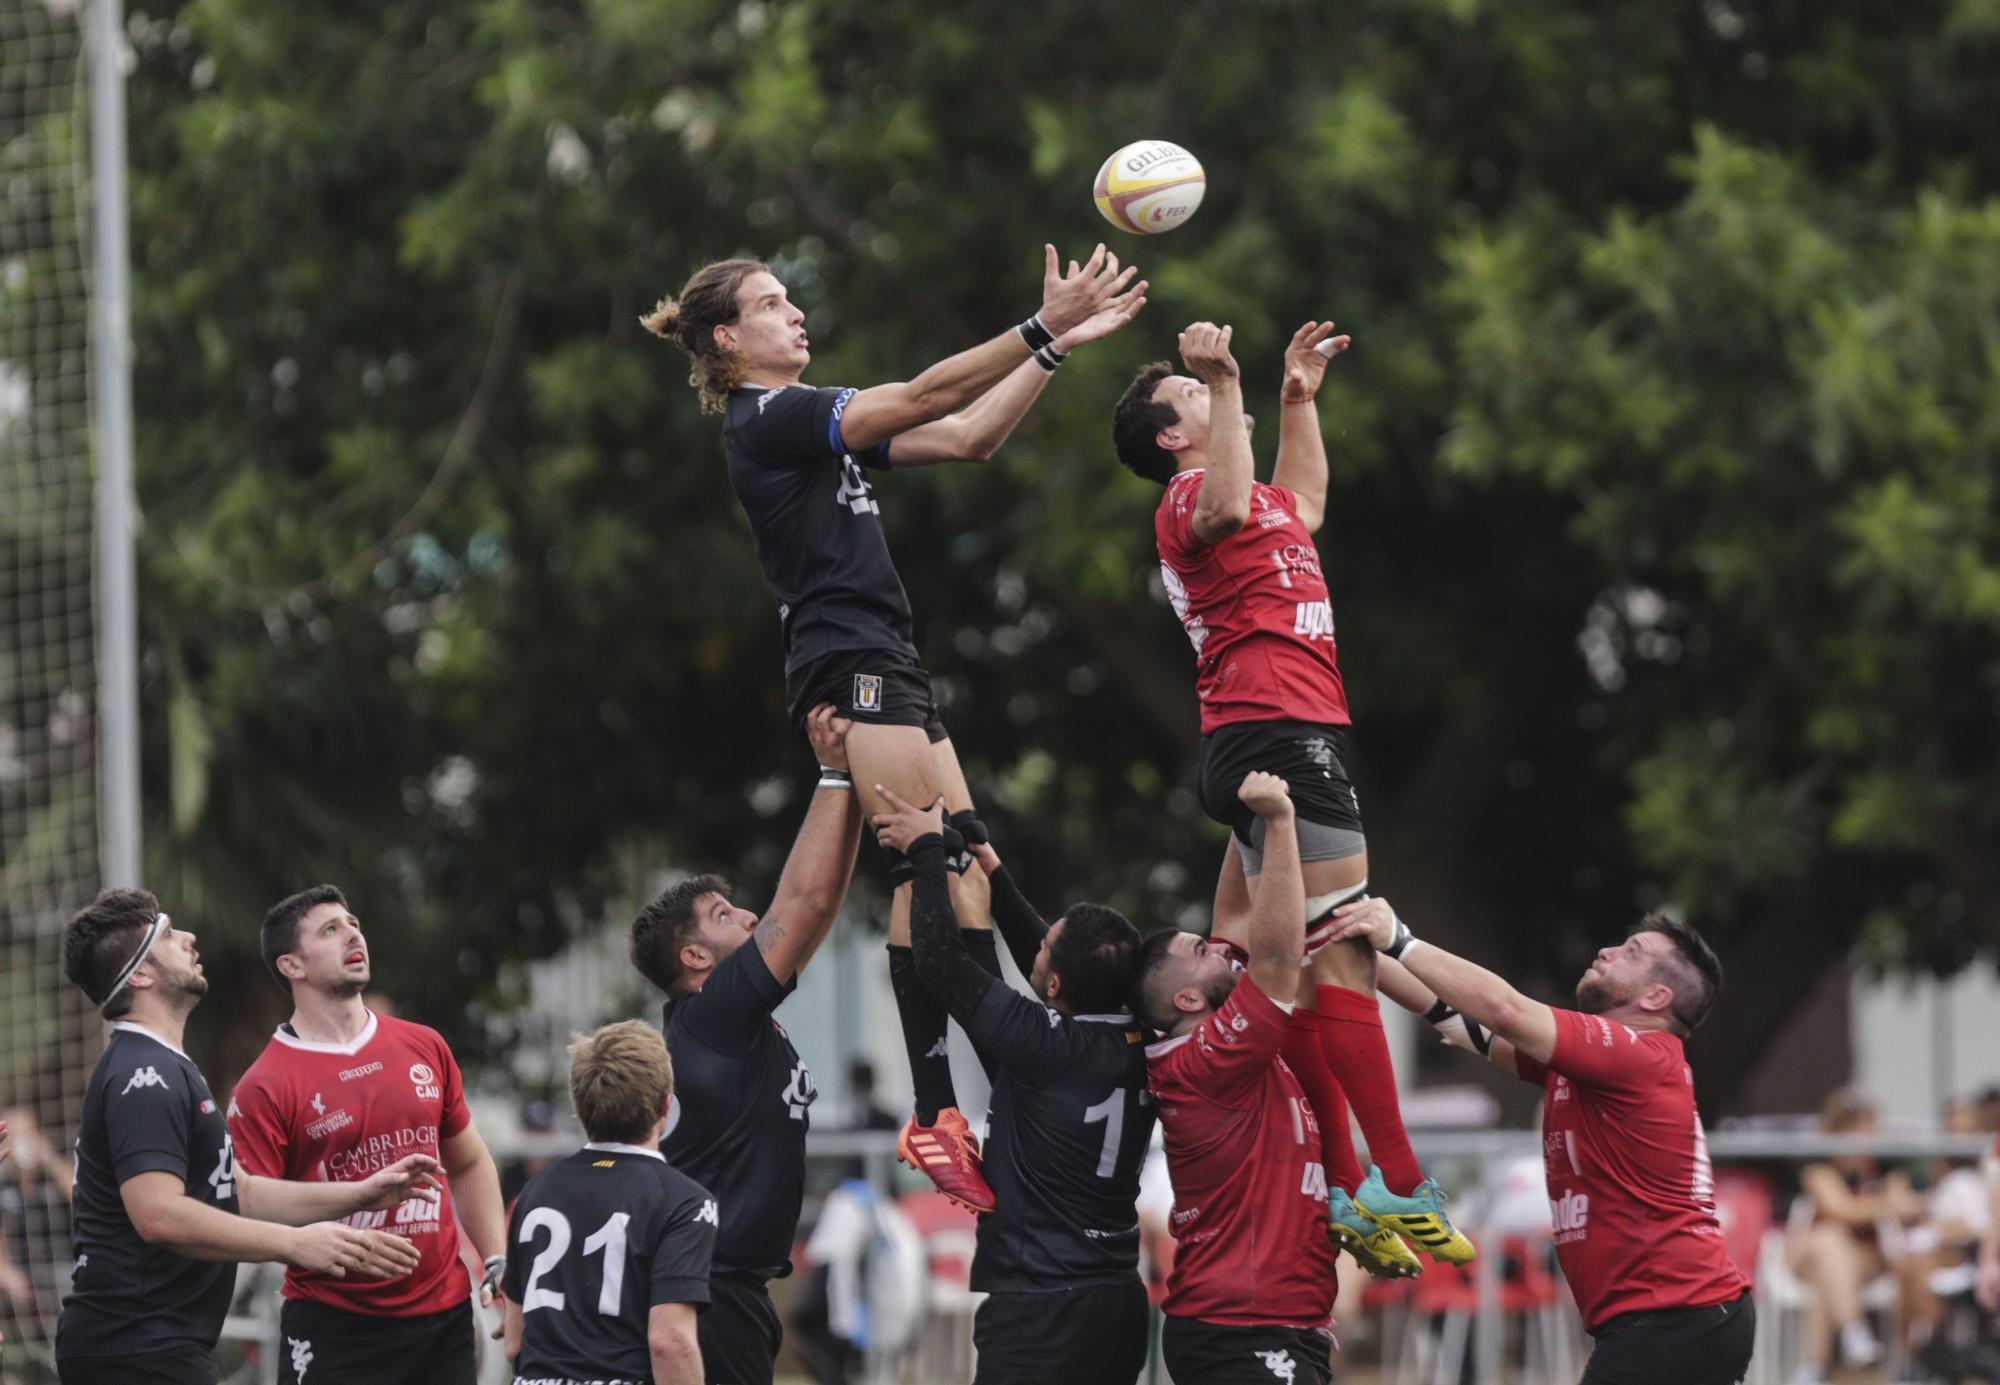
[
  {"x": 1222, "y": 505},
  {"x": 1393, "y": 979},
  {"x": 1020, "y": 925},
  {"x": 1467, "y": 987},
  {"x": 976, "y": 432},
  {"x": 945, "y": 967},
  {"x": 1301, "y": 465},
  {"x": 878, "y": 414},
  {"x": 816, "y": 876},
  {"x": 1275, "y": 928}
]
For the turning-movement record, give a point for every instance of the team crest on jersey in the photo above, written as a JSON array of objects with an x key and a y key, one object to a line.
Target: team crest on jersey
[
  {"x": 424, "y": 1082},
  {"x": 867, "y": 692}
]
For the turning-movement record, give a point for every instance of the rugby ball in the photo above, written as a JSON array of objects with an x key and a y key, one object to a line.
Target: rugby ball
[{"x": 1149, "y": 186}]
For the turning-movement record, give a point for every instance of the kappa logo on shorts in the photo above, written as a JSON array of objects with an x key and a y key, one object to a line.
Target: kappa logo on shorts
[
  {"x": 867, "y": 692},
  {"x": 1281, "y": 1365},
  {"x": 302, "y": 1355}
]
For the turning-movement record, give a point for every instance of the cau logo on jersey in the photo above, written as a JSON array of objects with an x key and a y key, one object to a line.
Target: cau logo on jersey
[{"x": 425, "y": 1082}]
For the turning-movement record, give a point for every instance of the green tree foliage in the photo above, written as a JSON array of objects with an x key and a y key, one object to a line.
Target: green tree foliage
[{"x": 1662, "y": 534}]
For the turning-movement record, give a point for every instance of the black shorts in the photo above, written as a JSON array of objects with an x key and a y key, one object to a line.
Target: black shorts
[
  {"x": 319, "y": 1345},
  {"x": 1095, "y": 1335},
  {"x": 879, "y": 686},
  {"x": 1207, "y": 1353},
  {"x": 168, "y": 1366},
  {"x": 1675, "y": 1346},
  {"x": 739, "y": 1331},
  {"x": 1307, "y": 757}
]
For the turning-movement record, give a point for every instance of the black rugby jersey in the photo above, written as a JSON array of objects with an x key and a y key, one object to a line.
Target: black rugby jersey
[
  {"x": 737, "y": 1122},
  {"x": 147, "y": 1110},
  {"x": 1070, "y": 1118},
  {"x": 817, "y": 527},
  {"x": 593, "y": 1243}
]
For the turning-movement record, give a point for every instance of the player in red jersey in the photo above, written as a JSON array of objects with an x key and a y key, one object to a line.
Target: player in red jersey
[
  {"x": 1251, "y": 1289},
  {"x": 1631, "y": 1193},
  {"x": 339, "y": 1092},
  {"x": 1239, "y": 564}
]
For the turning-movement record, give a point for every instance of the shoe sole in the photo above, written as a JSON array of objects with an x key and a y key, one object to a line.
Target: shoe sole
[{"x": 1374, "y": 1264}]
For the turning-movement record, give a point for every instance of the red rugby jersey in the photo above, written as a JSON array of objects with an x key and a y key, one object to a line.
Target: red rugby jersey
[
  {"x": 337, "y": 1113},
  {"x": 1243, "y": 1152},
  {"x": 1255, "y": 606},
  {"x": 1631, "y": 1193}
]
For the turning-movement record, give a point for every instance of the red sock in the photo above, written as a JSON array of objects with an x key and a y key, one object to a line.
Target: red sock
[
  {"x": 1350, "y": 1029},
  {"x": 1303, "y": 1055}
]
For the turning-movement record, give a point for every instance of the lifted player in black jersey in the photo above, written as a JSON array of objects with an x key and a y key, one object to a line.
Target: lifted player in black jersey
[
  {"x": 156, "y": 1225},
  {"x": 738, "y": 1122},
  {"x": 608, "y": 1250},
  {"x": 796, "y": 457},
  {"x": 1068, "y": 1127}
]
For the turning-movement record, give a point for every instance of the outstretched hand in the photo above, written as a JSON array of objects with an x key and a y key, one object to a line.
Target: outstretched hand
[
  {"x": 896, "y": 830},
  {"x": 1069, "y": 300},
  {"x": 1107, "y": 319},
  {"x": 413, "y": 1176},
  {"x": 1306, "y": 357}
]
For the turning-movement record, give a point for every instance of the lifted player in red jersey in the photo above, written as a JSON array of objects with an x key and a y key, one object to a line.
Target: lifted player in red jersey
[
  {"x": 1631, "y": 1193},
  {"x": 1239, "y": 564},
  {"x": 340, "y": 1092},
  {"x": 1252, "y": 1285}
]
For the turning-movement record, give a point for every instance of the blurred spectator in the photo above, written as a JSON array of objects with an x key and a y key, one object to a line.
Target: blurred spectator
[
  {"x": 863, "y": 1112},
  {"x": 1989, "y": 1109},
  {"x": 34, "y": 1221},
  {"x": 863, "y": 1290},
  {"x": 1848, "y": 1200},
  {"x": 538, "y": 1118},
  {"x": 1936, "y": 1265}
]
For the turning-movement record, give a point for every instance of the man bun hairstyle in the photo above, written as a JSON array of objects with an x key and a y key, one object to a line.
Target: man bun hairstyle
[
  {"x": 1692, "y": 969},
  {"x": 689, "y": 319},
  {"x": 1138, "y": 420},
  {"x": 619, "y": 1080},
  {"x": 1097, "y": 957},
  {"x": 280, "y": 933},
  {"x": 666, "y": 926},
  {"x": 99, "y": 940}
]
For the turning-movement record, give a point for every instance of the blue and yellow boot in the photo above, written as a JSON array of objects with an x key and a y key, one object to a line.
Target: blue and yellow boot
[
  {"x": 1374, "y": 1246},
  {"x": 1419, "y": 1218}
]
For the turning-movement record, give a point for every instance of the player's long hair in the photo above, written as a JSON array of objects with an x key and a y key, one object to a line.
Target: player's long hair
[{"x": 689, "y": 319}]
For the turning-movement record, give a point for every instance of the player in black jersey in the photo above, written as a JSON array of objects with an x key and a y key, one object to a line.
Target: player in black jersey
[
  {"x": 737, "y": 1122},
  {"x": 798, "y": 462},
  {"x": 154, "y": 1223},
  {"x": 609, "y": 1249},
  {"x": 1068, "y": 1127}
]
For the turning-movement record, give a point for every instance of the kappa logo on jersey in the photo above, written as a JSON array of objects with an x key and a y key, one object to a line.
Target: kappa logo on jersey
[
  {"x": 144, "y": 1077},
  {"x": 940, "y": 1049},
  {"x": 867, "y": 692},
  {"x": 234, "y": 1110},
  {"x": 767, "y": 396},
  {"x": 349, "y": 1074},
  {"x": 800, "y": 1091},
  {"x": 1281, "y": 1365},
  {"x": 302, "y": 1355},
  {"x": 425, "y": 1082},
  {"x": 710, "y": 1214}
]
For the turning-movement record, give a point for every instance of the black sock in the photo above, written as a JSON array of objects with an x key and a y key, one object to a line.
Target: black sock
[
  {"x": 924, "y": 1023},
  {"x": 984, "y": 949}
]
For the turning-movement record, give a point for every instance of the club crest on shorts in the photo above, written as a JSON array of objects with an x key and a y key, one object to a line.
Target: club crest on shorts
[{"x": 867, "y": 692}]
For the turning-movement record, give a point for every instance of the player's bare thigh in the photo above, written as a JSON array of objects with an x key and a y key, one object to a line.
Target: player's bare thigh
[{"x": 903, "y": 760}]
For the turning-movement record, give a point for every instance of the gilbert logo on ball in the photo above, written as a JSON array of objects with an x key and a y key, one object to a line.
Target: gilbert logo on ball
[{"x": 1150, "y": 186}]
